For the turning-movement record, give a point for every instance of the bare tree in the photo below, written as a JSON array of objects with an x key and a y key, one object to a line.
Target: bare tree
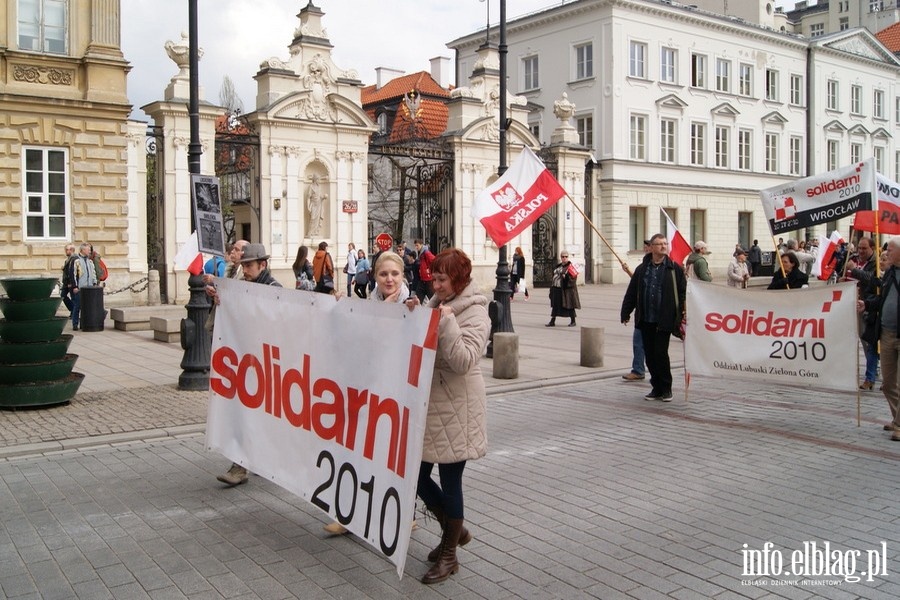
[{"x": 228, "y": 97}]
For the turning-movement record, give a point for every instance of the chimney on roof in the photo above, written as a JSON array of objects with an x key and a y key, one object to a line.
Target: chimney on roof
[
  {"x": 440, "y": 70},
  {"x": 384, "y": 75}
]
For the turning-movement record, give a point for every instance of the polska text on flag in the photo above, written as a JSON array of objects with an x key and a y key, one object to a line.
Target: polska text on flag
[
  {"x": 189, "y": 257},
  {"x": 888, "y": 209},
  {"x": 821, "y": 198},
  {"x": 679, "y": 249},
  {"x": 516, "y": 200}
]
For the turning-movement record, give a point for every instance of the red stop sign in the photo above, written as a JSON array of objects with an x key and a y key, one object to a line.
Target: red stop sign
[{"x": 384, "y": 241}]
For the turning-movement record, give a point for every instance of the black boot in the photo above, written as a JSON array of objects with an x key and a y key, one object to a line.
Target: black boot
[
  {"x": 572, "y": 322},
  {"x": 552, "y": 322},
  {"x": 464, "y": 537},
  {"x": 446, "y": 564}
]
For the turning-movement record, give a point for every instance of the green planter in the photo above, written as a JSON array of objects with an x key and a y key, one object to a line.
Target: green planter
[
  {"x": 19, "y": 332},
  {"x": 29, "y": 310},
  {"x": 37, "y": 371},
  {"x": 42, "y": 393},
  {"x": 28, "y": 288},
  {"x": 34, "y": 351}
]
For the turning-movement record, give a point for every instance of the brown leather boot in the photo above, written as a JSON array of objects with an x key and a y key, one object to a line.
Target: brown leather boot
[
  {"x": 446, "y": 564},
  {"x": 464, "y": 538}
]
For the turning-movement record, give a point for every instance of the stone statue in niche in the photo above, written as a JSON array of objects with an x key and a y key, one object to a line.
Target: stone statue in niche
[{"x": 315, "y": 206}]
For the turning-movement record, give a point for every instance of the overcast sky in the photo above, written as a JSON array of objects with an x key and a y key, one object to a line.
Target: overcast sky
[{"x": 236, "y": 35}]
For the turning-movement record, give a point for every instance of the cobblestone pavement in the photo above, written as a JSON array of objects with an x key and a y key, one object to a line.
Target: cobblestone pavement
[{"x": 588, "y": 491}]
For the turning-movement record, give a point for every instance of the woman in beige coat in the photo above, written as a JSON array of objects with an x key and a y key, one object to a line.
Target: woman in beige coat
[{"x": 455, "y": 429}]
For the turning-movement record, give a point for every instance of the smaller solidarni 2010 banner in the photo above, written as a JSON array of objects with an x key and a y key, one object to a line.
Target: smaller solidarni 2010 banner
[
  {"x": 821, "y": 198},
  {"x": 803, "y": 337},
  {"x": 327, "y": 399}
]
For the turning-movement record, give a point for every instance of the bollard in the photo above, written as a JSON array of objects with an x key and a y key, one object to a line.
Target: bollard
[
  {"x": 506, "y": 355},
  {"x": 591, "y": 346},
  {"x": 153, "y": 297}
]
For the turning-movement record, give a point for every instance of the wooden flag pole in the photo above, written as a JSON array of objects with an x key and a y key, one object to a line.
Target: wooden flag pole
[{"x": 603, "y": 239}]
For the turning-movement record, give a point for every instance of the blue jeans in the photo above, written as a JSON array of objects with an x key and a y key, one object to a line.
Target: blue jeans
[
  {"x": 76, "y": 308},
  {"x": 449, "y": 494},
  {"x": 871, "y": 361},
  {"x": 637, "y": 348}
]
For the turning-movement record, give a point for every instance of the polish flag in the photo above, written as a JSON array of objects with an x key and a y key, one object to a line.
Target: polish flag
[
  {"x": 512, "y": 203},
  {"x": 189, "y": 256},
  {"x": 824, "y": 266},
  {"x": 679, "y": 249},
  {"x": 888, "y": 209}
]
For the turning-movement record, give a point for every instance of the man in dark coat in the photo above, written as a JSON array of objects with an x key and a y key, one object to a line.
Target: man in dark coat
[{"x": 656, "y": 294}]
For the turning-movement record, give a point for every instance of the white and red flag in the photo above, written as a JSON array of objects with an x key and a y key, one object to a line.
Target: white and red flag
[
  {"x": 824, "y": 265},
  {"x": 516, "y": 200},
  {"x": 679, "y": 249},
  {"x": 888, "y": 209},
  {"x": 189, "y": 257}
]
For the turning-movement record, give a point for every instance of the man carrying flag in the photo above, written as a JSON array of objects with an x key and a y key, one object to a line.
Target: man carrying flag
[
  {"x": 512, "y": 203},
  {"x": 679, "y": 249}
]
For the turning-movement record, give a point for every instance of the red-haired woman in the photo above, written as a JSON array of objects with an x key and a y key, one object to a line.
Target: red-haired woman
[{"x": 455, "y": 429}]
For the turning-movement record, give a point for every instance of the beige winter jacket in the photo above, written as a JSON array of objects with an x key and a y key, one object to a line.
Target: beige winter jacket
[{"x": 456, "y": 428}]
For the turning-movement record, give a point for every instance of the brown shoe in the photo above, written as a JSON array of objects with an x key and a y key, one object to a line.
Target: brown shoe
[
  {"x": 633, "y": 377},
  {"x": 446, "y": 564},
  {"x": 866, "y": 385},
  {"x": 888, "y": 426},
  {"x": 895, "y": 437},
  {"x": 335, "y": 528},
  {"x": 236, "y": 475}
]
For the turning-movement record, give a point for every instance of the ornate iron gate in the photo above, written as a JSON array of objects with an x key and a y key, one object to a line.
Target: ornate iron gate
[
  {"x": 237, "y": 166},
  {"x": 156, "y": 208},
  {"x": 434, "y": 204},
  {"x": 544, "y": 238}
]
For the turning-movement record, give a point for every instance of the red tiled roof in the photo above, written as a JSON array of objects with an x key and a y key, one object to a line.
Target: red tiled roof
[
  {"x": 430, "y": 119},
  {"x": 397, "y": 87},
  {"x": 430, "y": 122},
  {"x": 890, "y": 37}
]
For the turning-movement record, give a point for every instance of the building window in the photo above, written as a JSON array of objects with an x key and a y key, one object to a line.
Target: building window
[
  {"x": 855, "y": 153},
  {"x": 897, "y": 110},
  {"x": 771, "y": 85},
  {"x": 584, "y": 61},
  {"x": 721, "y": 146},
  {"x": 745, "y": 80},
  {"x": 856, "y": 99},
  {"x": 535, "y": 129},
  {"x": 816, "y": 29},
  {"x": 745, "y": 150},
  {"x": 723, "y": 75},
  {"x": 745, "y": 229},
  {"x": 637, "y": 64},
  {"x": 667, "y": 140},
  {"x": 897, "y": 164},
  {"x": 637, "y": 227},
  {"x": 585, "y": 127},
  {"x": 876, "y": 5},
  {"x": 834, "y": 151},
  {"x": 796, "y": 152},
  {"x": 833, "y": 94},
  {"x": 771, "y": 152},
  {"x": 698, "y": 224},
  {"x": 797, "y": 90},
  {"x": 698, "y": 144},
  {"x": 45, "y": 200},
  {"x": 667, "y": 59},
  {"x": 638, "y": 137},
  {"x": 42, "y": 25},
  {"x": 530, "y": 71},
  {"x": 396, "y": 175},
  {"x": 698, "y": 70},
  {"x": 382, "y": 123},
  {"x": 879, "y": 159},
  {"x": 878, "y": 104},
  {"x": 844, "y": 23}
]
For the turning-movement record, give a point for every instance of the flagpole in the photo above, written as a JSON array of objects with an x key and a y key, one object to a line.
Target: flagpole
[
  {"x": 597, "y": 231},
  {"x": 501, "y": 319}
]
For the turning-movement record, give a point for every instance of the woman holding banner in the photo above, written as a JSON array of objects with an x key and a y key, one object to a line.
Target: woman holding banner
[
  {"x": 455, "y": 428},
  {"x": 793, "y": 278}
]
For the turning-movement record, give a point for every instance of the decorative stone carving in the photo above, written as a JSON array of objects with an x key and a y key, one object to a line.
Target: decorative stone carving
[
  {"x": 43, "y": 75},
  {"x": 309, "y": 30},
  {"x": 315, "y": 206},
  {"x": 273, "y": 62},
  {"x": 488, "y": 60},
  {"x": 180, "y": 55},
  {"x": 319, "y": 82},
  {"x": 564, "y": 109}
]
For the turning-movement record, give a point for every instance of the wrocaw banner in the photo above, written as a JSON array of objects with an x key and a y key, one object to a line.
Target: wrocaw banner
[
  {"x": 327, "y": 399},
  {"x": 820, "y": 199},
  {"x": 516, "y": 200},
  {"x": 789, "y": 337}
]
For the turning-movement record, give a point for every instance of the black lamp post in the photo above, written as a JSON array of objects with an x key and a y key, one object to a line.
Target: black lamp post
[
  {"x": 501, "y": 318},
  {"x": 195, "y": 340}
]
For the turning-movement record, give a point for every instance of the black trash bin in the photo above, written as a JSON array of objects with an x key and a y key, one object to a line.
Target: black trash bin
[
  {"x": 93, "y": 314},
  {"x": 767, "y": 266}
]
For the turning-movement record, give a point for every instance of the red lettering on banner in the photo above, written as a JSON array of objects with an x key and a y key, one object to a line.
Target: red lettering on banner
[
  {"x": 326, "y": 409},
  {"x": 834, "y": 184},
  {"x": 748, "y": 323}
]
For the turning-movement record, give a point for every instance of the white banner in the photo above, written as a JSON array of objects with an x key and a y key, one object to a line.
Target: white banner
[
  {"x": 327, "y": 399},
  {"x": 821, "y": 198},
  {"x": 801, "y": 337}
]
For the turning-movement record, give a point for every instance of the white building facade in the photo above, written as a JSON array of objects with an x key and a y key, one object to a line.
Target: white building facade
[{"x": 694, "y": 113}]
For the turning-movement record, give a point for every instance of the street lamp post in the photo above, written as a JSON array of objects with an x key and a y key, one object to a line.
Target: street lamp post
[
  {"x": 194, "y": 338},
  {"x": 501, "y": 316}
]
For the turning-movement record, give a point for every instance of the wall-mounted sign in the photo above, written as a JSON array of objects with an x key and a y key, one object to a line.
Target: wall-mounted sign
[{"x": 350, "y": 206}]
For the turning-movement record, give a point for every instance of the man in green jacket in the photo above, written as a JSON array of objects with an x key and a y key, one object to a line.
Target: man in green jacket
[{"x": 696, "y": 265}]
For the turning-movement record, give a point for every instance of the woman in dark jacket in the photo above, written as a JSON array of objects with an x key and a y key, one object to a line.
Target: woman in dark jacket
[
  {"x": 793, "y": 277},
  {"x": 563, "y": 292},
  {"x": 517, "y": 273},
  {"x": 302, "y": 266}
]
